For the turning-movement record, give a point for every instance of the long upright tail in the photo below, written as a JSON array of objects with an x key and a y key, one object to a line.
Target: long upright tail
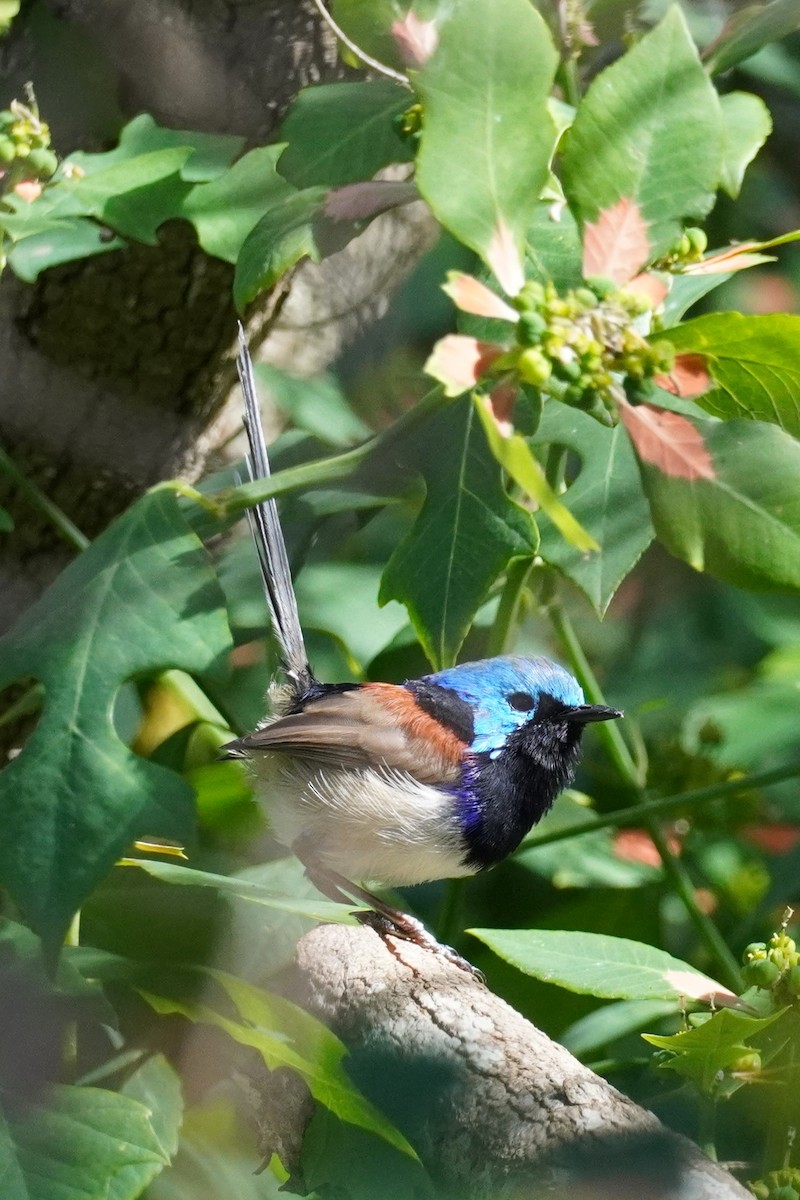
[{"x": 268, "y": 537}]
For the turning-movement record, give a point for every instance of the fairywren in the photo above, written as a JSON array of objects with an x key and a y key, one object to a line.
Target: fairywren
[{"x": 434, "y": 778}]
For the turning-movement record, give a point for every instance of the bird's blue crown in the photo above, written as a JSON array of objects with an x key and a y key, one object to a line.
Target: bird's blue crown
[{"x": 503, "y": 693}]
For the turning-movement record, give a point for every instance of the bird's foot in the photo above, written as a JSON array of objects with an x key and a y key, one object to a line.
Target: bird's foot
[{"x": 396, "y": 924}]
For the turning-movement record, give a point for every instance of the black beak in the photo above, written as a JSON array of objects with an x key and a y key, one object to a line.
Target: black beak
[{"x": 582, "y": 714}]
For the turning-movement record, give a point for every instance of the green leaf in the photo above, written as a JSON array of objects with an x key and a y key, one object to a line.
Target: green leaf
[
  {"x": 516, "y": 458},
  {"x": 368, "y": 23},
  {"x": 85, "y": 1142},
  {"x": 751, "y": 29},
  {"x": 686, "y": 290},
  {"x": 466, "y": 533},
  {"x": 488, "y": 134},
  {"x": 225, "y": 211},
  {"x": 156, "y": 1085},
  {"x": 649, "y": 130},
  {"x": 244, "y": 889},
  {"x": 590, "y": 1035},
  {"x": 141, "y": 598},
  {"x": 63, "y": 241},
  {"x": 317, "y": 405},
  {"x": 713, "y": 1047},
  {"x": 606, "y": 498},
  {"x": 363, "y": 627},
  {"x": 208, "y": 153},
  {"x": 742, "y": 525},
  {"x": 286, "y": 1036},
  {"x": 746, "y": 125},
  {"x": 136, "y": 193},
  {"x": 344, "y": 132},
  {"x": 554, "y": 247},
  {"x": 755, "y": 362},
  {"x": 596, "y": 964},
  {"x": 281, "y": 238},
  {"x": 215, "y": 1160}
]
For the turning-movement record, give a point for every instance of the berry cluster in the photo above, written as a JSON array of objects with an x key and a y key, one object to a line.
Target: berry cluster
[
  {"x": 774, "y": 965},
  {"x": 582, "y": 347},
  {"x": 778, "y": 1185},
  {"x": 689, "y": 248},
  {"x": 25, "y": 142}
]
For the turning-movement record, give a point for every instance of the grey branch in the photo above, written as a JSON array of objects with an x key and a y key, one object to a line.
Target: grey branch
[{"x": 510, "y": 1113}]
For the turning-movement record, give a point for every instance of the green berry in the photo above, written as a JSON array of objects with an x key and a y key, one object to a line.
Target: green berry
[
  {"x": 530, "y": 327},
  {"x": 793, "y": 980},
  {"x": 42, "y": 161},
  {"x": 534, "y": 367},
  {"x": 762, "y": 973},
  {"x": 787, "y": 1192},
  {"x": 697, "y": 240},
  {"x": 586, "y": 297},
  {"x": 8, "y": 151},
  {"x": 602, "y": 286},
  {"x": 747, "y": 1063},
  {"x": 531, "y": 296},
  {"x": 754, "y": 950}
]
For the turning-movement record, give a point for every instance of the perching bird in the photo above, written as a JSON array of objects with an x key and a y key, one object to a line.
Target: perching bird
[{"x": 399, "y": 784}]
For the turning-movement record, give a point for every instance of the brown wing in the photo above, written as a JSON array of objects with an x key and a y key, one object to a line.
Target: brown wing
[{"x": 377, "y": 725}]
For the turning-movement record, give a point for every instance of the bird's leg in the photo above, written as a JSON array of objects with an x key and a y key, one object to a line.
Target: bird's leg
[{"x": 386, "y": 920}]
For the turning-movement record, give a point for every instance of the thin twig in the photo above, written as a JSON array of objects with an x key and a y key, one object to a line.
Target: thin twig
[{"x": 359, "y": 53}]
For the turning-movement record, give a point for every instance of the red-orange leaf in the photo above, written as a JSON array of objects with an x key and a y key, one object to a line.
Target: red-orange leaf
[
  {"x": 733, "y": 258},
  {"x": 472, "y": 296},
  {"x": 501, "y": 405},
  {"x": 616, "y": 245},
  {"x": 503, "y": 257},
  {"x": 689, "y": 376},
  {"x": 415, "y": 39},
  {"x": 651, "y": 286},
  {"x": 458, "y": 362},
  {"x": 667, "y": 441}
]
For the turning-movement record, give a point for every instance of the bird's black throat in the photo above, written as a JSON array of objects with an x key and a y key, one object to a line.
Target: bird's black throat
[{"x": 508, "y": 794}]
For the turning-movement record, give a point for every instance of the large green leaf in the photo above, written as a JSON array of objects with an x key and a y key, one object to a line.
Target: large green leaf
[
  {"x": 600, "y": 965},
  {"x": 606, "y": 498},
  {"x": 59, "y": 242},
  {"x": 209, "y": 153},
  {"x": 287, "y": 1036},
  {"x": 343, "y": 132},
  {"x": 488, "y": 134},
  {"x": 225, "y": 210},
  {"x": 704, "y": 1053},
  {"x": 281, "y": 238},
  {"x": 755, "y": 362},
  {"x": 649, "y": 130},
  {"x": 553, "y": 247},
  {"x": 156, "y": 1085},
  {"x": 746, "y": 125},
  {"x": 141, "y": 598},
  {"x": 84, "y": 1142},
  {"x": 466, "y": 533},
  {"x": 741, "y": 523}
]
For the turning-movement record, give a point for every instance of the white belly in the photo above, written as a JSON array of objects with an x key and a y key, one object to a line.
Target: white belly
[{"x": 378, "y": 826}]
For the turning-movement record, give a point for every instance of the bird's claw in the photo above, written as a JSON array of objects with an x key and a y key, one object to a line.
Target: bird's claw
[{"x": 408, "y": 929}]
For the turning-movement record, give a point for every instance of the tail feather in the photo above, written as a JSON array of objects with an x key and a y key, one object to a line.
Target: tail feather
[{"x": 268, "y": 537}]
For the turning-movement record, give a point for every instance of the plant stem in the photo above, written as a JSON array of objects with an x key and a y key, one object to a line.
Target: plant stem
[
  {"x": 630, "y": 818},
  {"x": 634, "y": 774},
  {"x": 60, "y": 521},
  {"x": 232, "y": 501},
  {"x": 508, "y": 609}
]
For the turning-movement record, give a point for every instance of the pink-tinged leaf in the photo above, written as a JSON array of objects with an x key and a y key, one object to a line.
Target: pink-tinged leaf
[
  {"x": 700, "y": 987},
  {"x": 667, "y": 441},
  {"x": 616, "y": 245},
  {"x": 733, "y": 258},
  {"x": 500, "y": 406},
  {"x": 29, "y": 190},
  {"x": 358, "y": 201},
  {"x": 472, "y": 296},
  {"x": 775, "y": 839},
  {"x": 689, "y": 376},
  {"x": 415, "y": 39},
  {"x": 458, "y": 362},
  {"x": 652, "y": 287},
  {"x": 503, "y": 257}
]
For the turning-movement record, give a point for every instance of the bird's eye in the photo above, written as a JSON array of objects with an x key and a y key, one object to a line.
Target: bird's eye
[{"x": 522, "y": 701}]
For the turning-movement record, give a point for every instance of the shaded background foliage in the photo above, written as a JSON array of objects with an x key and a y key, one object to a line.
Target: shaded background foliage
[{"x": 709, "y": 671}]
